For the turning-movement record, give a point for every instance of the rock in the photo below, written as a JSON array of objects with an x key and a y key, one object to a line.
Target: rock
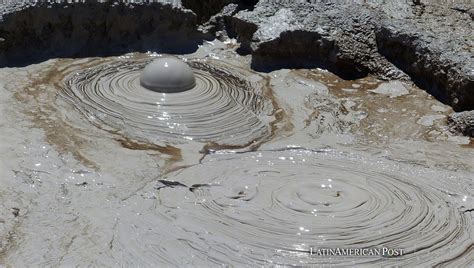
[
  {"x": 462, "y": 123},
  {"x": 428, "y": 120},
  {"x": 391, "y": 39},
  {"x": 316, "y": 87},
  {"x": 15, "y": 212},
  {"x": 349, "y": 90},
  {"x": 338, "y": 37},
  {"x": 393, "y": 89},
  {"x": 439, "y": 108},
  {"x": 41, "y": 30},
  {"x": 436, "y": 56}
]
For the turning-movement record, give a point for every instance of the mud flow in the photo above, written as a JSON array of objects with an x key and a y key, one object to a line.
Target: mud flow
[{"x": 247, "y": 168}]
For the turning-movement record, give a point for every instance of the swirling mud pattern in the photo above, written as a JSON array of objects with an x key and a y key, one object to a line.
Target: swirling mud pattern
[
  {"x": 222, "y": 107},
  {"x": 271, "y": 207}
]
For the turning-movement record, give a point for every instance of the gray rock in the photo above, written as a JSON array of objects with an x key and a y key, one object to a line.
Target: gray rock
[
  {"x": 428, "y": 120},
  {"x": 462, "y": 123},
  {"x": 391, "y": 39},
  {"x": 392, "y": 89},
  {"x": 339, "y": 37},
  {"x": 433, "y": 47},
  {"x": 38, "y": 31}
]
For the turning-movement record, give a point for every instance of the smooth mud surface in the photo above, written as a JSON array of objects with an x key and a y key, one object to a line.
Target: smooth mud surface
[{"x": 247, "y": 168}]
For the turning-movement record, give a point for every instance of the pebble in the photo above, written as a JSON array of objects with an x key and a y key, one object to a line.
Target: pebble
[{"x": 393, "y": 89}]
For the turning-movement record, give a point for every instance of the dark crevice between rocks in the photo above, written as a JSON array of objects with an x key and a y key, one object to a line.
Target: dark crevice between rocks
[
  {"x": 401, "y": 56},
  {"x": 242, "y": 31},
  {"x": 205, "y": 9},
  {"x": 43, "y": 31},
  {"x": 247, "y": 4},
  {"x": 431, "y": 74},
  {"x": 221, "y": 24},
  {"x": 302, "y": 49}
]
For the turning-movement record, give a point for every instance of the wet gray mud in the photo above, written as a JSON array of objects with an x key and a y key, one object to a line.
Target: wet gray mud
[
  {"x": 246, "y": 169},
  {"x": 221, "y": 108}
]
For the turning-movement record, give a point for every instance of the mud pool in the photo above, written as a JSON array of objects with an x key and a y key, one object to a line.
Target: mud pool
[{"x": 248, "y": 168}]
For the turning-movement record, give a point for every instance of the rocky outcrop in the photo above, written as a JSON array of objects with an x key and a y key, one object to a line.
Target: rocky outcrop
[
  {"x": 394, "y": 40},
  {"x": 337, "y": 37},
  {"x": 462, "y": 123},
  {"x": 433, "y": 46},
  {"x": 36, "y": 31}
]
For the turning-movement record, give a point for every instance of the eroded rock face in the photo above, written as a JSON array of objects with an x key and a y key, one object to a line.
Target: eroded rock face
[
  {"x": 44, "y": 30},
  {"x": 432, "y": 45},
  {"x": 427, "y": 43},
  {"x": 338, "y": 37}
]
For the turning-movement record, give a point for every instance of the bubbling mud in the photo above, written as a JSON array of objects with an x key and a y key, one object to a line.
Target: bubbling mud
[
  {"x": 271, "y": 207},
  {"x": 222, "y": 107},
  {"x": 127, "y": 178}
]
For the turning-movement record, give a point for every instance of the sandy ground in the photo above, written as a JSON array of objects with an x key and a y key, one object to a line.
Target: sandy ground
[{"x": 73, "y": 193}]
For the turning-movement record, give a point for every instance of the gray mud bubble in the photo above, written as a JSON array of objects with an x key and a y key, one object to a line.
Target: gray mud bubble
[
  {"x": 221, "y": 107},
  {"x": 167, "y": 75}
]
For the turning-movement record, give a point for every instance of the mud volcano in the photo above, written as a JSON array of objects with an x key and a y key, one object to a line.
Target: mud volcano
[
  {"x": 151, "y": 102},
  {"x": 235, "y": 133}
]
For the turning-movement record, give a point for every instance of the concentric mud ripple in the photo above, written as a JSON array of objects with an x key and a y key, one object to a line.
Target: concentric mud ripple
[
  {"x": 222, "y": 108},
  {"x": 272, "y": 207}
]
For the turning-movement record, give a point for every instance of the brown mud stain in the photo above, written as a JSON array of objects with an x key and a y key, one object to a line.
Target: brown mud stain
[
  {"x": 282, "y": 123},
  {"x": 43, "y": 114},
  {"x": 58, "y": 132},
  {"x": 470, "y": 144},
  {"x": 173, "y": 152}
]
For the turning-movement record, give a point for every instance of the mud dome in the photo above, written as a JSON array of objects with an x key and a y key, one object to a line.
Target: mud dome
[
  {"x": 255, "y": 169},
  {"x": 222, "y": 107}
]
